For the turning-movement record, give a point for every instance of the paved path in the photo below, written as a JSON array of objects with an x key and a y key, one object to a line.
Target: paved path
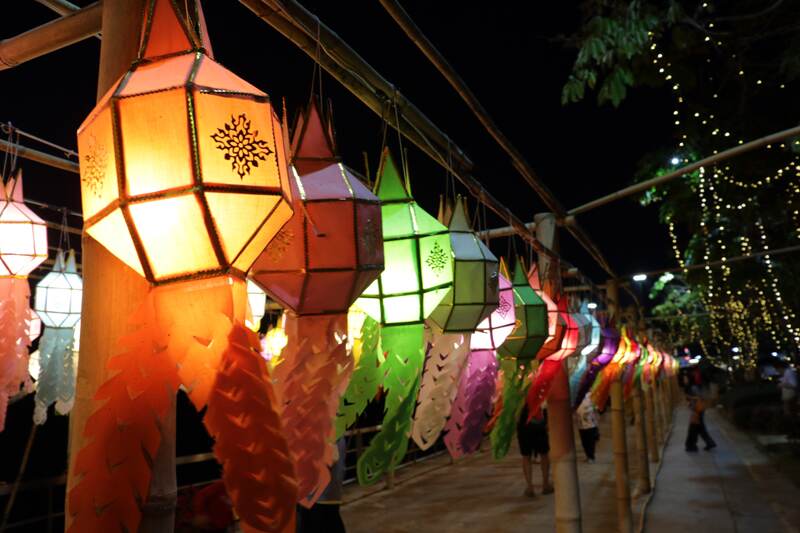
[
  {"x": 481, "y": 495},
  {"x": 733, "y": 488}
]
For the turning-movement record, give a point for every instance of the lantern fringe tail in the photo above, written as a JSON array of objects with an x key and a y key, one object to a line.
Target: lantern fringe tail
[
  {"x": 587, "y": 381},
  {"x": 602, "y": 385},
  {"x": 311, "y": 377},
  {"x": 444, "y": 362},
  {"x": 473, "y": 403},
  {"x": 400, "y": 372},
  {"x": 113, "y": 469},
  {"x": 497, "y": 402},
  {"x": 243, "y": 419},
  {"x": 364, "y": 383},
  {"x": 513, "y": 396},
  {"x": 541, "y": 385},
  {"x": 14, "y": 310},
  {"x": 629, "y": 379},
  {"x": 56, "y": 380}
]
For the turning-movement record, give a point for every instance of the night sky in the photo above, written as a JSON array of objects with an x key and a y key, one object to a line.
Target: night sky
[{"x": 511, "y": 58}]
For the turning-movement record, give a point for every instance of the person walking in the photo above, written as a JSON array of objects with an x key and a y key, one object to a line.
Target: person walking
[
  {"x": 532, "y": 439},
  {"x": 586, "y": 417},
  {"x": 697, "y": 425},
  {"x": 788, "y": 386}
]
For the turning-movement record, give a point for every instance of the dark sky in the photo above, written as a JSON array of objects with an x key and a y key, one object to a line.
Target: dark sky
[{"x": 508, "y": 56}]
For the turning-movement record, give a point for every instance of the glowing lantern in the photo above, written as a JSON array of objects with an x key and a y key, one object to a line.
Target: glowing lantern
[
  {"x": 495, "y": 329},
  {"x": 23, "y": 246},
  {"x": 474, "y": 294},
  {"x": 592, "y": 346},
  {"x": 531, "y": 318},
  {"x": 330, "y": 250},
  {"x": 556, "y": 325},
  {"x": 58, "y": 295},
  {"x": 180, "y": 142},
  {"x": 609, "y": 342},
  {"x": 58, "y": 303},
  {"x": 184, "y": 178},
  {"x": 612, "y": 370},
  {"x": 418, "y": 272},
  {"x": 417, "y": 276}
]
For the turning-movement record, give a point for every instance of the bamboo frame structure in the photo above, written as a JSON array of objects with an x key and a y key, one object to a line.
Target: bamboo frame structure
[
  {"x": 620, "y": 445},
  {"x": 650, "y": 423},
  {"x": 643, "y": 485}
]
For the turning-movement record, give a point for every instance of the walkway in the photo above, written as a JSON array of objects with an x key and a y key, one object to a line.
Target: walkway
[
  {"x": 731, "y": 489},
  {"x": 481, "y": 495}
]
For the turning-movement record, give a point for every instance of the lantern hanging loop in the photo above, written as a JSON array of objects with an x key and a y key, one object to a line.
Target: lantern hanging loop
[{"x": 10, "y": 157}]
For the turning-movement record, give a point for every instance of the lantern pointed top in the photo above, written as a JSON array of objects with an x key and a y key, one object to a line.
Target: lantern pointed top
[
  {"x": 519, "y": 273},
  {"x": 167, "y": 31},
  {"x": 13, "y": 188},
  {"x": 458, "y": 219},
  {"x": 313, "y": 138},
  {"x": 58, "y": 264},
  {"x": 71, "y": 265},
  {"x": 390, "y": 186},
  {"x": 504, "y": 269}
]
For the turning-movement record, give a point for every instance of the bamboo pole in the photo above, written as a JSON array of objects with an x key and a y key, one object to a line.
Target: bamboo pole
[
  {"x": 650, "y": 420},
  {"x": 642, "y": 464},
  {"x": 39, "y": 157},
  {"x": 49, "y": 37},
  {"x": 113, "y": 291},
  {"x": 623, "y": 491},
  {"x": 563, "y": 459},
  {"x": 657, "y": 416}
]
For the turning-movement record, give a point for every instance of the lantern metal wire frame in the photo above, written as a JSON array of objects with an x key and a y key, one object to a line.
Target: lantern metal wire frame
[
  {"x": 207, "y": 150},
  {"x": 531, "y": 311},
  {"x": 475, "y": 279},
  {"x": 411, "y": 238}
]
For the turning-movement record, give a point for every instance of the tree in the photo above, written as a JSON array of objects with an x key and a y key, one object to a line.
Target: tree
[{"x": 728, "y": 72}]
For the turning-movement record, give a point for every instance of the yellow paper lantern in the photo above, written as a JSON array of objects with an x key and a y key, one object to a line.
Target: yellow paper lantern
[{"x": 183, "y": 163}]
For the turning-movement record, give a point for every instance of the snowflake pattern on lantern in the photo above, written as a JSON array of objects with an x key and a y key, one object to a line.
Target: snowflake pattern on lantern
[
  {"x": 94, "y": 164},
  {"x": 241, "y": 145},
  {"x": 279, "y": 245},
  {"x": 437, "y": 259}
]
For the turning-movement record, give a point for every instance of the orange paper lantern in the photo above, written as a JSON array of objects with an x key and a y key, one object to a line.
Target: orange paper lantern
[{"x": 180, "y": 142}]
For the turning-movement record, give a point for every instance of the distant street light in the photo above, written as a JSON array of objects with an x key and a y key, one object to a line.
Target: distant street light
[
  {"x": 675, "y": 160},
  {"x": 735, "y": 349},
  {"x": 639, "y": 277}
]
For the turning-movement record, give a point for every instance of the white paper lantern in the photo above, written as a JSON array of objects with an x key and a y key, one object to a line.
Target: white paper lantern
[{"x": 58, "y": 295}]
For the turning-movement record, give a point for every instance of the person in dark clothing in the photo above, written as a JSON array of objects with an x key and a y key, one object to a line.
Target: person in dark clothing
[
  {"x": 532, "y": 438},
  {"x": 324, "y": 515},
  {"x": 697, "y": 425}
]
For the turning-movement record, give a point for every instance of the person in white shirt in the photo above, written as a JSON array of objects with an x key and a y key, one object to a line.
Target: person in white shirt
[
  {"x": 788, "y": 386},
  {"x": 586, "y": 416}
]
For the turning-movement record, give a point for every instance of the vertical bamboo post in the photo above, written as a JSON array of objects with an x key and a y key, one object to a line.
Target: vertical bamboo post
[
  {"x": 113, "y": 291},
  {"x": 657, "y": 416},
  {"x": 643, "y": 466},
  {"x": 619, "y": 442},
  {"x": 563, "y": 460},
  {"x": 650, "y": 421},
  {"x": 624, "y": 516}
]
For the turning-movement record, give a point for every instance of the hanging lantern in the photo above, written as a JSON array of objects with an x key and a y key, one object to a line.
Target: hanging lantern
[
  {"x": 531, "y": 318},
  {"x": 611, "y": 371},
  {"x": 184, "y": 178},
  {"x": 58, "y": 303},
  {"x": 474, "y": 294},
  {"x": 592, "y": 346},
  {"x": 23, "y": 247},
  {"x": 316, "y": 267},
  {"x": 609, "y": 342},
  {"x": 469, "y": 303},
  {"x": 556, "y": 325},
  {"x": 330, "y": 250},
  {"x": 418, "y": 274},
  {"x": 472, "y": 404}
]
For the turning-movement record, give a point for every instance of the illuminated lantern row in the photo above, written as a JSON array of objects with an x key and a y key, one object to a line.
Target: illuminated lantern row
[
  {"x": 531, "y": 329},
  {"x": 473, "y": 400},
  {"x": 58, "y": 304},
  {"x": 320, "y": 262},
  {"x": 475, "y": 291},
  {"x": 418, "y": 275},
  {"x": 184, "y": 178},
  {"x": 23, "y": 247}
]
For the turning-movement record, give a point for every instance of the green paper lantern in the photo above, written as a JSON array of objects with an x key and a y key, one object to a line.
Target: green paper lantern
[
  {"x": 531, "y": 330},
  {"x": 417, "y": 253},
  {"x": 474, "y": 294}
]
